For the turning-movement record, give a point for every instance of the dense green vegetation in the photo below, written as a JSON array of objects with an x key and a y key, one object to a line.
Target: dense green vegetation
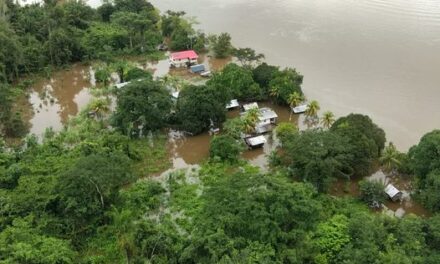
[{"x": 94, "y": 192}]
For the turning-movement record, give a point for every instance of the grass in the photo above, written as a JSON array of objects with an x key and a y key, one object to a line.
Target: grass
[{"x": 153, "y": 155}]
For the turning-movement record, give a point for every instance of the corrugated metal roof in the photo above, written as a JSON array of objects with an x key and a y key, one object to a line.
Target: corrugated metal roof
[
  {"x": 184, "y": 55},
  {"x": 255, "y": 141}
]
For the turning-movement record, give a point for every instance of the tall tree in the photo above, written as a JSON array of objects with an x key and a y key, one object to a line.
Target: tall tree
[
  {"x": 142, "y": 106},
  {"x": 390, "y": 158},
  {"x": 327, "y": 120},
  {"x": 294, "y": 100}
]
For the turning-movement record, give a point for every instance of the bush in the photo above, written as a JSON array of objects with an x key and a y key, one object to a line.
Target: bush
[
  {"x": 136, "y": 73},
  {"x": 372, "y": 193},
  {"x": 225, "y": 148}
]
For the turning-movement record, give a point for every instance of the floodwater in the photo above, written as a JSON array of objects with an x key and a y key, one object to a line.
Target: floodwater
[
  {"x": 186, "y": 151},
  {"x": 376, "y": 57},
  {"x": 402, "y": 183},
  {"x": 67, "y": 91},
  {"x": 63, "y": 95}
]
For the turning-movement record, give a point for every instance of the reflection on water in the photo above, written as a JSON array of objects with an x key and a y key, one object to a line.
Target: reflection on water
[
  {"x": 68, "y": 91},
  {"x": 54, "y": 100}
]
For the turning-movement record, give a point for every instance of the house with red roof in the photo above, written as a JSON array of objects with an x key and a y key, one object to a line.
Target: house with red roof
[{"x": 183, "y": 58}]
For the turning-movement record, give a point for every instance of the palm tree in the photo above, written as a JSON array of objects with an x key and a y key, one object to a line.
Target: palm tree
[
  {"x": 294, "y": 100},
  {"x": 250, "y": 120},
  {"x": 327, "y": 120},
  {"x": 274, "y": 92},
  {"x": 312, "y": 109},
  {"x": 100, "y": 107},
  {"x": 390, "y": 158}
]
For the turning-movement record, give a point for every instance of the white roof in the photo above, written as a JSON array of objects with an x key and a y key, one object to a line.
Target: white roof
[
  {"x": 175, "y": 94},
  {"x": 250, "y": 106},
  {"x": 391, "y": 190},
  {"x": 267, "y": 113},
  {"x": 255, "y": 141},
  {"x": 299, "y": 109},
  {"x": 232, "y": 104},
  {"x": 120, "y": 85}
]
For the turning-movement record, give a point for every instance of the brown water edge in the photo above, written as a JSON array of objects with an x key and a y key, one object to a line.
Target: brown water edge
[
  {"x": 162, "y": 67},
  {"x": 350, "y": 188},
  {"x": 186, "y": 151},
  {"x": 52, "y": 101}
]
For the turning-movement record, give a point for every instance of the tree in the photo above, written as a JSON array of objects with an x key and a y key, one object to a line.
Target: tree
[
  {"x": 136, "y": 74},
  {"x": 390, "y": 158},
  {"x": 105, "y": 11},
  {"x": 318, "y": 157},
  {"x": 234, "y": 127},
  {"x": 312, "y": 109},
  {"x": 366, "y": 138},
  {"x": 429, "y": 194},
  {"x": 142, "y": 106},
  {"x": 284, "y": 83},
  {"x": 103, "y": 74},
  {"x": 225, "y": 148},
  {"x": 286, "y": 131},
  {"x": 237, "y": 82},
  {"x": 327, "y": 120},
  {"x": 123, "y": 229},
  {"x": 200, "y": 106},
  {"x": 121, "y": 67},
  {"x": 331, "y": 237},
  {"x": 102, "y": 39},
  {"x": 100, "y": 107},
  {"x": 263, "y": 74},
  {"x": 221, "y": 45},
  {"x": 21, "y": 243},
  {"x": 239, "y": 209},
  {"x": 425, "y": 157},
  {"x": 90, "y": 187},
  {"x": 61, "y": 48},
  {"x": 250, "y": 120},
  {"x": 294, "y": 100},
  {"x": 372, "y": 193},
  {"x": 247, "y": 56},
  {"x": 135, "y": 24},
  {"x": 10, "y": 53}
]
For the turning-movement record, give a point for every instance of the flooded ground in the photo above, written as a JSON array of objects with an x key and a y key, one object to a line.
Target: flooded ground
[
  {"x": 379, "y": 57},
  {"x": 402, "y": 183},
  {"x": 56, "y": 99},
  {"x": 63, "y": 95},
  {"x": 186, "y": 151}
]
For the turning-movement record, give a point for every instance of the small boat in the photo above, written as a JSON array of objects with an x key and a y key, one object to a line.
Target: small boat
[
  {"x": 255, "y": 142},
  {"x": 299, "y": 109}
]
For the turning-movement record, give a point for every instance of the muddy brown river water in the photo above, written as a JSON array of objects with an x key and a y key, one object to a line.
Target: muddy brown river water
[{"x": 376, "y": 57}]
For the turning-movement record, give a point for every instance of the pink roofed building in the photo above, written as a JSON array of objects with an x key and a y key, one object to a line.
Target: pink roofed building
[{"x": 182, "y": 58}]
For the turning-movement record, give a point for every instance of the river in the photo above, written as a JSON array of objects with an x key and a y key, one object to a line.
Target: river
[{"x": 376, "y": 57}]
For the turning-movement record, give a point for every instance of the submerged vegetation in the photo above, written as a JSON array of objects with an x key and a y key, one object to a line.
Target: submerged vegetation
[{"x": 95, "y": 192}]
